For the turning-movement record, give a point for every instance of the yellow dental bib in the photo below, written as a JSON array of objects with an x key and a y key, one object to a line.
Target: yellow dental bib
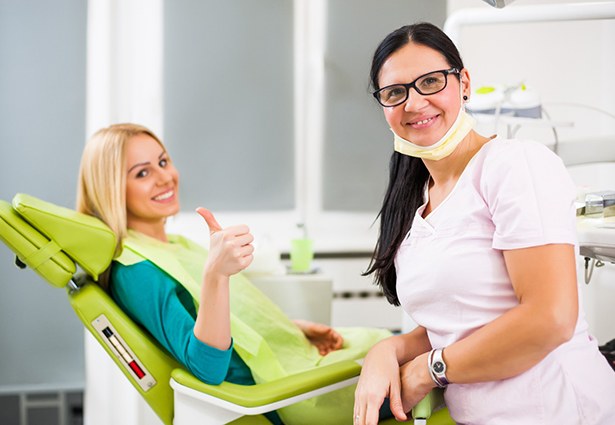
[{"x": 264, "y": 337}]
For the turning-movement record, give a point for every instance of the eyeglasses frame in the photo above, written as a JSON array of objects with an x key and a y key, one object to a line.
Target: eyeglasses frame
[{"x": 408, "y": 86}]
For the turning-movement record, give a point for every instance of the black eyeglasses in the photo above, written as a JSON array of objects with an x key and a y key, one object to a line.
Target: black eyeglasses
[{"x": 431, "y": 83}]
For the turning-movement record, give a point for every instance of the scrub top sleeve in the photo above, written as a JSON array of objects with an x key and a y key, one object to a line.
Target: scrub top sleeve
[
  {"x": 530, "y": 196},
  {"x": 154, "y": 300}
]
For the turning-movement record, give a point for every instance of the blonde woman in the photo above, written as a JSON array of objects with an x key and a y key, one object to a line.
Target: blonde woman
[{"x": 183, "y": 294}]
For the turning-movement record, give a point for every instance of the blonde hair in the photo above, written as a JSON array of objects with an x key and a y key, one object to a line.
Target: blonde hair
[{"x": 101, "y": 190}]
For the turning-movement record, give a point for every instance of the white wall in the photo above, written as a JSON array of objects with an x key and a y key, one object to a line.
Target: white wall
[
  {"x": 566, "y": 62},
  {"x": 42, "y": 77}
]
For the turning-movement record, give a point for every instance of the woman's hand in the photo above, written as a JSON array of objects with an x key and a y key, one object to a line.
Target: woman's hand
[
  {"x": 416, "y": 381},
  {"x": 324, "y": 337},
  {"x": 230, "y": 249},
  {"x": 379, "y": 380}
]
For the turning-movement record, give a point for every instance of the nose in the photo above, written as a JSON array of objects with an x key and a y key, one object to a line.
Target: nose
[
  {"x": 164, "y": 176},
  {"x": 415, "y": 100}
]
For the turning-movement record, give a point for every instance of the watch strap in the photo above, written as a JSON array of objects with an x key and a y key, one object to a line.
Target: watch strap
[{"x": 437, "y": 367}]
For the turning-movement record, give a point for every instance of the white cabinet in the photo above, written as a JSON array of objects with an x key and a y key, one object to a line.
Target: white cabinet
[
  {"x": 356, "y": 300},
  {"x": 300, "y": 296}
]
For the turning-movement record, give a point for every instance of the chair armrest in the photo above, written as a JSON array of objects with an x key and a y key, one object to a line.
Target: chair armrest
[
  {"x": 260, "y": 398},
  {"x": 275, "y": 391},
  {"x": 431, "y": 402}
]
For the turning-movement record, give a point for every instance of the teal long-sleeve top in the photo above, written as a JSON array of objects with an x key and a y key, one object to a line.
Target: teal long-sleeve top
[{"x": 158, "y": 303}]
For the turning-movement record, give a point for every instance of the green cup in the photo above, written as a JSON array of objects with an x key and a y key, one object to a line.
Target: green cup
[{"x": 301, "y": 255}]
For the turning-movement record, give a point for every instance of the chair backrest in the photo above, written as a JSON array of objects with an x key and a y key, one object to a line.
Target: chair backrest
[{"x": 51, "y": 239}]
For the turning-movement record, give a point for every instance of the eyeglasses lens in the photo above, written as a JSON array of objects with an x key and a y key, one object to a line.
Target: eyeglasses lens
[
  {"x": 393, "y": 95},
  {"x": 431, "y": 83}
]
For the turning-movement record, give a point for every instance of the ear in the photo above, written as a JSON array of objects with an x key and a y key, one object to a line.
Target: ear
[{"x": 466, "y": 87}]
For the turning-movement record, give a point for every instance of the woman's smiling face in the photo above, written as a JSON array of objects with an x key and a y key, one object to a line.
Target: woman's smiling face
[
  {"x": 422, "y": 120},
  {"x": 152, "y": 183}
]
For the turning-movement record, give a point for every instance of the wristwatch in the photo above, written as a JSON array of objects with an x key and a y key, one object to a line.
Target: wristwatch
[{"x": 437, "y": 368}]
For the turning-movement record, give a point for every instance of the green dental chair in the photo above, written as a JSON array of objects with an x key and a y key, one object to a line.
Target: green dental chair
[{"x": 53, "y": 240}]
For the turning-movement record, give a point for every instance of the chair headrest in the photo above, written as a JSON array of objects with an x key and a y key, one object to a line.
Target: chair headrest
[
  {"x": 85, "y": 239},
  {"x": 26, "y": 242}
]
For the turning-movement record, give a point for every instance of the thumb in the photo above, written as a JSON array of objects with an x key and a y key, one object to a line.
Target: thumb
[
  {"x": 211, "y": 221},
  {"x": 396, "y": 405}
]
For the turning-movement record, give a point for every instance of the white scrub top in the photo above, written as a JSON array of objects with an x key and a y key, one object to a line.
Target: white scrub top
[{"x": 452, "y": 280}]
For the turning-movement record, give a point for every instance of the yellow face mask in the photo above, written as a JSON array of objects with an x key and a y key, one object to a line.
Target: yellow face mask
[{"x": 443, "y": 147}]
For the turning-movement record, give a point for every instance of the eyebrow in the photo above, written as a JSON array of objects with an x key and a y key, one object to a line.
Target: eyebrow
[{"x": 140, "y": 164}]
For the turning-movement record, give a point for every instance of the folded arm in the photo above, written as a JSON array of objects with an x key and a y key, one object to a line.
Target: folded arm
[{"x": 544, "y": 281}]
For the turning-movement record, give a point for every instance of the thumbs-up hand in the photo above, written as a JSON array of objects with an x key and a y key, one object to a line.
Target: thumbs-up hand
[{"x": 230, "y": 249}]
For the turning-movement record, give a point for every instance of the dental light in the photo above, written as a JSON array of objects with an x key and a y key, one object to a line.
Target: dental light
[{"x": 498, "y": 3}]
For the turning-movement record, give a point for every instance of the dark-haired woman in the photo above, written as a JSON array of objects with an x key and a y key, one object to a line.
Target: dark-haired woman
[{"x": 477, "y": 243}]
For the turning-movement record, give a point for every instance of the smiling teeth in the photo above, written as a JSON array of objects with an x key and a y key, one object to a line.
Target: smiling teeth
[
  {"x": 423, "y": 121},
  {"x": 164, "y": 196}
]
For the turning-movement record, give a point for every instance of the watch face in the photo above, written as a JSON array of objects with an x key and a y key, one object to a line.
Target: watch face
[{"x": 438, "y": 367}]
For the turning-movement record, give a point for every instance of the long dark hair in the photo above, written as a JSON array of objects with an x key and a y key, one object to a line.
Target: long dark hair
[{"x": 407, "y": 175}]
